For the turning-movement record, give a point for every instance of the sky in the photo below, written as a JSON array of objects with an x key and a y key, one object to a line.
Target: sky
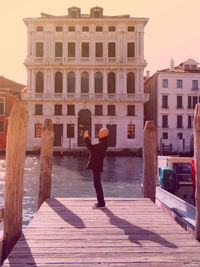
[{"x": 173, "y": 30}]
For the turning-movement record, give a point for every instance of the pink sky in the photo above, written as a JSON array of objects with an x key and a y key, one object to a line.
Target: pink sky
[{"x": 172, "y": 31}]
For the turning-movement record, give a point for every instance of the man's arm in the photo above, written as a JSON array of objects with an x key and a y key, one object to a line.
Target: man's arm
[{"x": 87, "y": 140}]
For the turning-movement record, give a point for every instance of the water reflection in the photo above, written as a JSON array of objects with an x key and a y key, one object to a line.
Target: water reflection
[{"x": 122, "y": 177}]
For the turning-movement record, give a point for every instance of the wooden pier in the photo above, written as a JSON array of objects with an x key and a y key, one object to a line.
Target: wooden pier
[{"x": 129, "y": 232}]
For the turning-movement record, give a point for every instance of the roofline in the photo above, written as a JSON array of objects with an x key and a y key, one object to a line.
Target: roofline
[{"x": 67, "y": 19}]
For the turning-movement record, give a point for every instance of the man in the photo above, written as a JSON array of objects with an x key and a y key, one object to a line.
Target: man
[{"x": 95, "y": 163}]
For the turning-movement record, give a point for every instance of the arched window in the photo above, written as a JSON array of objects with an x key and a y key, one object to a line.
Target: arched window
[
  {"x": 71, "y": 82},
  {"x": 111, "y": 83},
  {"x": 130, "y": 83},
  {"x": 58, "y": 82},
  {"x": 39, "y": 84},
  {"x": 98, "y": 82},
  {"x": 85, "y": 82}
]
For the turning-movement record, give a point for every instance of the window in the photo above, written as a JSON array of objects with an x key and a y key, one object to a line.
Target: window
[
  {"x": 111, "y": 28},
  {"x": 1, "y": 126},
  {"x": 98, "y": 83},
  {"x": 131, "y": 49},
  {"x": 58, "y": 49},
  {"x": 85, "y": 82},
  {"x": 39, "y": 49},
  {"x": 38, "y": 109},
  {"x": 164, "y": 101},
  {"x": 180, "y": 135},
  {"x": 74, "y": 14},
  {"x": 131, "y": 110},
  {"x": 99, "y": 50},
  {"x": 179, "y": 83},
  {"x": 71, "y": 82},
  {"x": 97, "y": 14},
  {"x": 164, "y": 121},
  {"x": 164, "y": 135},
  {"x": 179, "y": 101},
  {"x": 131, "y": 28},
  {"x": 38, "y": 130},
  {"x": 59, "y": 28},
  {"x": 97, "y": 129},
  {"x": 164, "y": 83},
  {"x": 190, "y": 121},
  {"x": 70, "y": 130},
  {"x": 39, "y": 82},
  {"x": 189, "y": 102},
  {"x": 111, "y": 49},
  {"x": 85, "y": 49},
  {"x": 195, "y": 84},
  {"x": 131, "y": 131},
  {"x": 85, "y": 29},
  {"x": 99, "y": 28},
  {"x": 70, "y": 109},
  {"x": 98, "y": 110},
  {"x": 179, "y": 121},
  {"x": 187, "y": 67},
  {"x": 130, "y": 83},
  {"x": 39, "y": 29},
  {"x": 71, "y": 49},
  {"x": 195, "y": 101},
  {"x": 111, "y": 83},
  {"x": 71, "y": 29},
  {"x": 2, "y": 106},
  {"x": 111, "y": 110},
  {"x": 193, "y": 67},
  {"x": 58, "y": 109},
  {"x": 58, "y": 82},
  {"x": 192, "y": 101}
]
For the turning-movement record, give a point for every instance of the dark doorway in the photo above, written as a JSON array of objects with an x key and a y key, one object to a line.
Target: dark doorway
[
  {"x": 58, "y": 130},
  {"x": 84, "y": 123},
  {"x": 112, "y": 138}
]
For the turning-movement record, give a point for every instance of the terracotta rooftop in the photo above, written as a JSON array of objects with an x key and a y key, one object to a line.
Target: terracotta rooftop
[
  {"x": 181, "y": 70},
  {"x": 6, "y": 83}
]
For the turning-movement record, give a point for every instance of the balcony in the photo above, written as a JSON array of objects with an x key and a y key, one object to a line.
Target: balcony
[
  {"x": 88, "y": 96},
  {"x": 88, "y": 60}
]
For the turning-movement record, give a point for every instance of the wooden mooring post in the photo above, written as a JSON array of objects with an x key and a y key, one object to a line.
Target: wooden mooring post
[
  {"x": 196, "y": 130},
  {"x": 14, "y": 175},
  {"x": 149, "y": 160},
  {"x": 46, "y": 161}
]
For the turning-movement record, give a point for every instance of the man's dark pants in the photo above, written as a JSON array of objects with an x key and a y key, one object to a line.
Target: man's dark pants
[{"x": 98, "y": 187}]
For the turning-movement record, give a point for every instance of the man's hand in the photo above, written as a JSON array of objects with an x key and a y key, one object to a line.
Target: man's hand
[{"x": 86, "y": 134}]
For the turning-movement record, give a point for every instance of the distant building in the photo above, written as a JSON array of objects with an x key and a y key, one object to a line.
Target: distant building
[
  {"x": 174, "y": 92},
  {"x": 10, "y": 92},
  {"x": 85, "y": 71}
]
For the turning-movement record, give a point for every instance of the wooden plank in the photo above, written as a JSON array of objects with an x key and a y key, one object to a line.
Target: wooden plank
[{"x": 62, "y": 234}]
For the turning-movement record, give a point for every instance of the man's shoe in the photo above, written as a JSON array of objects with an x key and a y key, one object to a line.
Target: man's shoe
[{"x": 98, "y": 206}]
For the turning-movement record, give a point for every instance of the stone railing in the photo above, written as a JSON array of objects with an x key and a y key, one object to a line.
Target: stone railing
[{"x": 82, "y": 96}]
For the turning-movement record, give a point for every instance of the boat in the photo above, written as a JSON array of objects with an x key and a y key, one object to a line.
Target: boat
[
  {"x": 175, "y": 189},
  {"x": 175, "y": 175}
]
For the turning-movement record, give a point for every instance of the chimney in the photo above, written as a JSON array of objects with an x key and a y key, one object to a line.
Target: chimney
[{"x": 172, "y": 65}]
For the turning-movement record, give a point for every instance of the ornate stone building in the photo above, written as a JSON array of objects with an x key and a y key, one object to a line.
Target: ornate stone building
[{"x": 85, "y": 71}]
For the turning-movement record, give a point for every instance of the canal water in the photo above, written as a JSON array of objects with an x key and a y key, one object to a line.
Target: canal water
[{"x": 122, "y": 177}]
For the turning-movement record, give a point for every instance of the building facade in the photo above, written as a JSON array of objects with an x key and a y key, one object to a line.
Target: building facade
[
  {"x": 85, "y": 71},
  {"x": 174, "y": 92},
  {"x": 10, "y": 92}
]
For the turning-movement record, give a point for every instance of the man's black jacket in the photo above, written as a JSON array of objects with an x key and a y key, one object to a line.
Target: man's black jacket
[{"x": 97, "y": 153}]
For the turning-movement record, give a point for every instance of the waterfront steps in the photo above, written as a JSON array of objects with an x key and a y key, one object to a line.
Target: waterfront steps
[{"x": 129, "y": 232}]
